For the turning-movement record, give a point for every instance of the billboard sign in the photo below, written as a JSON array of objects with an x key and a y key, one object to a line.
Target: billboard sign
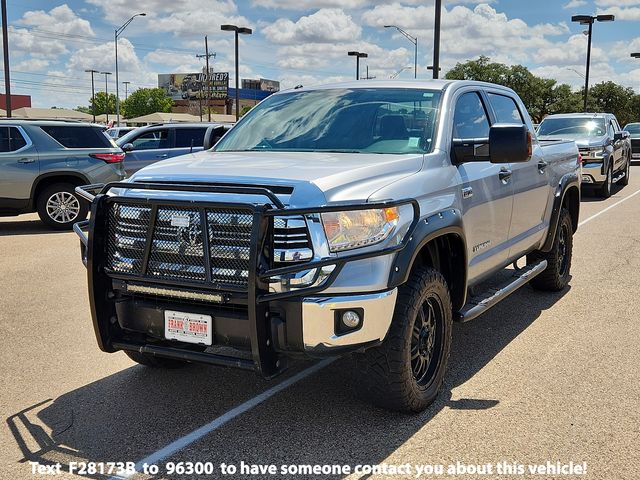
[
  {"x": 192, "y": 86},
  {"x": 269, "y": 85}
]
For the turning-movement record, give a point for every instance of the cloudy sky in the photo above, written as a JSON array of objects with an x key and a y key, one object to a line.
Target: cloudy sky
[{"x": 306, "y": 41}]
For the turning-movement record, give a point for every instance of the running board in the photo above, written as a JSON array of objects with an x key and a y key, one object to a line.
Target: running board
[
  {"x": 619, "y": 177},
  {"x": 479, "y": 304}
]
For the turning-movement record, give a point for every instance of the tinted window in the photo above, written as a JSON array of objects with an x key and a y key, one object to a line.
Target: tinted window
[
  {"x": 470, "y": 119},
  {"x": 76, "y": 136},
  {"x": 185, "y": 137},
  {"x": 505, "y": 109},
  {"x": 577, "y": 127},
  {"x": 11, "y": 139},
  {"x": 152, "y": 140},
  {"x": 360, "y": 120}
]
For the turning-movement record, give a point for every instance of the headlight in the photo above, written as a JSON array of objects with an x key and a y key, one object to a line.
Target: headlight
[
  {"x": 596, "y": 152},
  {"x": 358, "y": 228}
]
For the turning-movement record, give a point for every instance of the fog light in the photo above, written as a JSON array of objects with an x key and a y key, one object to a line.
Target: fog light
[{"x": 350, "y": 319}]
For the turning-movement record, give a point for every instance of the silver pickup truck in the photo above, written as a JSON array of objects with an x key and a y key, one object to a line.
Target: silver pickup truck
[{"x": 350, "y": 218}]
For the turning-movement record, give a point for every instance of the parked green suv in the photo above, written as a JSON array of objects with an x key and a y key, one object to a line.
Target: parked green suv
[{"x": 42, "y": 161}]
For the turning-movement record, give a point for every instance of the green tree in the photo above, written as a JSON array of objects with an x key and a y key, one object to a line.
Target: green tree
[
  {"x": 145, "y": 101},
  {"x": 609, "y": 97},
  {"x": 103, "y": 103},
  {"x": 82, "y": 109}
]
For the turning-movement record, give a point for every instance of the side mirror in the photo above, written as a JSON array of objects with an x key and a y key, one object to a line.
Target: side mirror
[
  {"x": 212, "y": 135},
  {"x": 509, "y": 143},
  {"x": 127, "y": 147},
  {"x": 620, "y": 135}
]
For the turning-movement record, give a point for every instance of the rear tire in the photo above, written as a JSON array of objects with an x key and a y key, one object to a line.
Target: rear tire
[
  {"x": 59, "y": 206},
  {"x": 556, "y": 276},
  {"x": 153, "y": 361},
  {"x": 406, "y": 372}
]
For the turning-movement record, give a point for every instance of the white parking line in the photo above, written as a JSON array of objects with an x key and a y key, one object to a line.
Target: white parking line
[
  {"x": 586, "y": 220},
  {"x": 197, "y": 434}
]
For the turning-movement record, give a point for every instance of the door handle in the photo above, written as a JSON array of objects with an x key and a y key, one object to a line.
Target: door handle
[
  {"x": 542, "y": 165},
  {"x": 164, "y": 155},
  {"x": 26, "y": 160},
  {"x": 505, "y": 175}
]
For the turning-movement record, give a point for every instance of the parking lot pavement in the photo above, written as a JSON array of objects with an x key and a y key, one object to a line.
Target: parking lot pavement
[{"x": 540, "y": 377}]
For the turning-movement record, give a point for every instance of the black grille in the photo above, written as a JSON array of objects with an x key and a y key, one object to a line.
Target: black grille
[
  {"x": 178, "y": 243},
  {"x": 291, "y": 242},
  {"x": 635, "y": 145}
]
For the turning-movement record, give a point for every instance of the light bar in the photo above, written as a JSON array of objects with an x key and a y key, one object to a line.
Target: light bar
[{"x": 170, "y": 292}]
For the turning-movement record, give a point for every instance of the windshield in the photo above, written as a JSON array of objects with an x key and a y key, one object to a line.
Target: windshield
[
  {"x": 633, "y": 129},
  {"x": 578, "y": 127},
  {"x": 371, "y": 120}
]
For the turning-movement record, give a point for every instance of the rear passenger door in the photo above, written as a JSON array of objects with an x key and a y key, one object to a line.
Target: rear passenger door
[
  {"x": 618, "y": 145},
  {"x": 19, "y": 166},
  {"x": 487, "y": 194},
  {"x": 188, "y": 139},
  {"x": 530, "y": 182},
  {"x": 149, "y": 146}
]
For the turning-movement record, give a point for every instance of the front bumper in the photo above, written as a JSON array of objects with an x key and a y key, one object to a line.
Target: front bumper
[
  {"x": 263, "y": 325},
  {"x": 592, "y": 173},
  {"x": 321, "y": 316}
]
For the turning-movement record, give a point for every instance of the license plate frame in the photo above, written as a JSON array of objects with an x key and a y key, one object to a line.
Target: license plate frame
[{"x": 188, "y": 327}]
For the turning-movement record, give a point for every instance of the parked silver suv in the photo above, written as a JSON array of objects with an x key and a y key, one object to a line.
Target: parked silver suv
[{"x": 41, "y": 163}]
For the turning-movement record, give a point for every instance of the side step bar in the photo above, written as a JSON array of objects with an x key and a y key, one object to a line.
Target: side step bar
[{"x": 481, "y": 303}]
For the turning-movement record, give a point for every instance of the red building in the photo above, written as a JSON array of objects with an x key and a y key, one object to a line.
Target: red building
[{"x": 17, "y": 101}]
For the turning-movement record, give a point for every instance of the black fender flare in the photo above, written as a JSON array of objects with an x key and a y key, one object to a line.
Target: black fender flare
[
  {"x": 566, "y": 181},
  {"x": 429, "y": 228}
]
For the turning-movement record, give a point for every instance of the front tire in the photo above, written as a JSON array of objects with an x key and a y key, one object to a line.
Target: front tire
[
  {"x": 605, "y": 190},
  {"x": 59, "y": 206},
  {"x": 406, "y": 372},
  {"x": 556, "y": 276},
  {"x": 624, "y": 181}
]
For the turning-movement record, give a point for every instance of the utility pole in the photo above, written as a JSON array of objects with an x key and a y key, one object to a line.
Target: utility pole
[
  {"x": 207, "y": 78},
  {"x": 106, "y": 93},
  {"x": 93, "y": 94},
  {"x": 5, "y": 47},
  {"x": 126, "y": 90}
]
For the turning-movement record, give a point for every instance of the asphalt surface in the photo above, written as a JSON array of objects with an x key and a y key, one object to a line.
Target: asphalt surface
[{"x": 540, "y": 377}]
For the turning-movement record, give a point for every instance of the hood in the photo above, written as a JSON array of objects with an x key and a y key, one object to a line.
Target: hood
[
  {"x": 299, "y": 178},
  {"x": 581, "y": 142}
]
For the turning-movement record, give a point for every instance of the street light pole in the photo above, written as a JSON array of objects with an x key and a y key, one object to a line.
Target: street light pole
[
  {"x": 635, "y": 55},
  {"x": 358, "y": 56},
  {"x": 117, "y": 32},
  {"x": 5, "y": 48},
  {"x": 413, "y": 40},
  {"x": 589, "y": 20},
  {"x": 106, "y": 93},
  {"x": 126, "y": 90},
  {"x": 237, "y": 30},
  {"x": 93, "y": 94},
  {"x": 436, "y": 40}
]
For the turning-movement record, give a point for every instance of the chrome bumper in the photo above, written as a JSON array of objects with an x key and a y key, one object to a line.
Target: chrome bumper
[
  {"x": 319, "y": 321},
  {"x": 592, "y": 173}
]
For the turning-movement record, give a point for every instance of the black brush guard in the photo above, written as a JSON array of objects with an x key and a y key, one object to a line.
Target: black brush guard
[{"x": 264, "y": 358}]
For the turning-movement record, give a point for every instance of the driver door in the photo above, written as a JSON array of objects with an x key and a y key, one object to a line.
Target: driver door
[{"x": 487, "y": 192}]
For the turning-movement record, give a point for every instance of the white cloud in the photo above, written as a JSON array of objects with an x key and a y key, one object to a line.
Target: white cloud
[
  {"x": 629, "y": 14},
  {"x": 617, "y": 3},
  {"x": 60, "y": 19},
  {"x": 325, "y": 26},
  {"x": 574, "y": 4},
  {"x": 102, "y": 57},
  {"x": 31, "y": 65}
]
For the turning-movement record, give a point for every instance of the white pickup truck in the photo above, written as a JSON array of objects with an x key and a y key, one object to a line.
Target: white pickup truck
[{"x": 349, "y": 218}]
